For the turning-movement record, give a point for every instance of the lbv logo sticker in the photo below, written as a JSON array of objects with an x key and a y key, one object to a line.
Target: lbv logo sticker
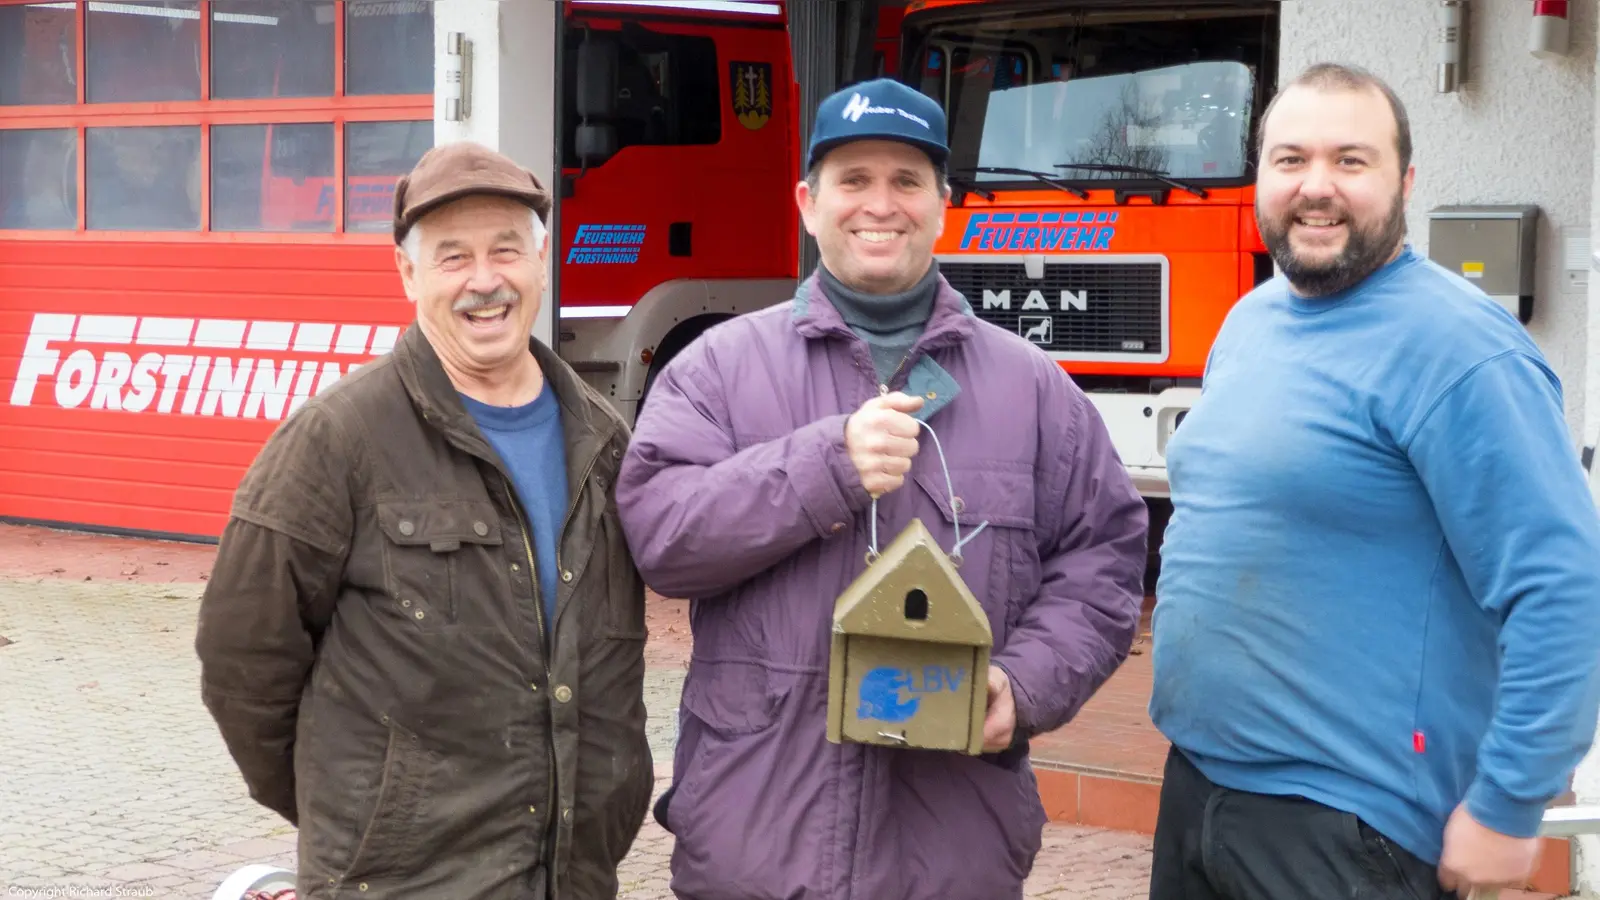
[{"x": 882, "y": 691}]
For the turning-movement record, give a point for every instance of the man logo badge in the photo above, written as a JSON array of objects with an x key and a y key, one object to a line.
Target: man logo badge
[{"x": 1037, "y": 329}]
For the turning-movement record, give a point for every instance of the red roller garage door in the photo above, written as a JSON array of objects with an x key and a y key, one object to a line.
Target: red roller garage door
[{"x": 194, "y": 215}]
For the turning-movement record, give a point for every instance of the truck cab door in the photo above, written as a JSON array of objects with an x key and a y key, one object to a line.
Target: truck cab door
[{"x": 676, "y": 156}]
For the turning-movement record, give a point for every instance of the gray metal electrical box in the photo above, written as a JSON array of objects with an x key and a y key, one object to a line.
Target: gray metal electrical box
[{"x": 1491, "y": 246}]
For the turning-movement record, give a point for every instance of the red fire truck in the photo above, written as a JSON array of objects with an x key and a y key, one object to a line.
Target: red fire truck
[
  {"x": 1103, "y": 206},
  {"x": 195, "y": 194}
]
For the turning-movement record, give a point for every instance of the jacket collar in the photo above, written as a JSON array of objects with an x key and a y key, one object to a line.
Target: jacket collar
[
  {"x": 951, "y": 321},
  {"x": 586, "y": 424}
]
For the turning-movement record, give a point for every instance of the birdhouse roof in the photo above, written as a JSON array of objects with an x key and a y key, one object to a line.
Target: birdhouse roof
[{"x": 876, "y": 602}]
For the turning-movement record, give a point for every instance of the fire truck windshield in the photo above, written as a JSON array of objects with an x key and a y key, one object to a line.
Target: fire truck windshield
[{"x": 1090, "y": 97}]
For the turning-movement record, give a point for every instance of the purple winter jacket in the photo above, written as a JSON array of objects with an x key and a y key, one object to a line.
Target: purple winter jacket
[{"x": 737, "y": 493}]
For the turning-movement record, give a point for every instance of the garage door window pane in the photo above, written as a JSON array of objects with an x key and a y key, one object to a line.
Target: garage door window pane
[
  {"x": 376, "y": 155},
  {"x": 38, "y": 55},
  {"x": 272, "y": 178},
  {"x": 388, "y": 47},
  {"x": 143, "y": 179},
  {"x": 271, "y": 48},
  {"x": 143, "y": 51},
  {"x": 39, "y": 179}
]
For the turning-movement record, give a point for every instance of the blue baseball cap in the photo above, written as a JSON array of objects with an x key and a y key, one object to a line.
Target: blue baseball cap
[{"x": 883, "y": 109}]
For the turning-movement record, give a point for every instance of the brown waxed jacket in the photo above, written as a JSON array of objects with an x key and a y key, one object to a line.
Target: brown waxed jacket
[{"x": 370, "y": 647}]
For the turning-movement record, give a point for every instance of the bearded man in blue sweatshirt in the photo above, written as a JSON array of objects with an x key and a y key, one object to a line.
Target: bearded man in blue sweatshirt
[{"x": 1375, "y": 622}]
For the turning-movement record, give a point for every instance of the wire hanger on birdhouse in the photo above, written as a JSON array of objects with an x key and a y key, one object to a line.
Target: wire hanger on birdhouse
[{"x": 955, "y": 513}]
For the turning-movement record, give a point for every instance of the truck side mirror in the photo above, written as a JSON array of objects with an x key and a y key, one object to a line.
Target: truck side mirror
[
  {"x": 595, "y": 143},
  {"x": 597, "y": 78},
  {"x": 596, "y": 98}
]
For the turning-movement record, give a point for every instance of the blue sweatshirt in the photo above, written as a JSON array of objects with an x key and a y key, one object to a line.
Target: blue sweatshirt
[
  {"x": 1376, "y": 497},
  {"x": 531, "y": 443}
]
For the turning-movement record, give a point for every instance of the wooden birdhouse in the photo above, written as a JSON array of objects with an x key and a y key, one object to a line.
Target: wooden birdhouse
[{"x": 910, "y": 658}]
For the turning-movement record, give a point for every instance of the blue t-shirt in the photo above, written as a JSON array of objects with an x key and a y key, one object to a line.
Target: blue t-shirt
[
  {"x": 530, "y": 441},
  {"x": 1376, "y": 491}
]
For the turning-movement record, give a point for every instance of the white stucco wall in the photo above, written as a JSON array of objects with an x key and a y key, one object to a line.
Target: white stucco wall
[
  {"x": 512, "y": 87},
  {"x": 1586, "y": 783},
  {"x": 1592, "y": 391},
  {"x": 1519, "y": 130}
]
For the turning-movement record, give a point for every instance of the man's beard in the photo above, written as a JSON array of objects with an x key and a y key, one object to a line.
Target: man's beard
[{"x": 1365, "y": 251}]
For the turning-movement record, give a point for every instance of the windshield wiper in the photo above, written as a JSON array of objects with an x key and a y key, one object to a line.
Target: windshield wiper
[
  {"x": 1045, "y": 177},
  {"x": 963, "y": 187},
  {"x": 1157, "y": 174}
]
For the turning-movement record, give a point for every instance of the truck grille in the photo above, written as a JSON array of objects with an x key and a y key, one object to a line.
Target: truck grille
[{"x": 1082, "y": 310}]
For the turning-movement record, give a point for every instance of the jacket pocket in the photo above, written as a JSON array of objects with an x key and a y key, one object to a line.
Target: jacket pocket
[
  {"x": 999, "y": 564},
  {"x": 730, "y": 733},
  {"x": 434, "y": 554},
  {"x": 390, "y": 842},
  {"x": 735, "y": 697},
  {"x": 1016, "y": 816}
]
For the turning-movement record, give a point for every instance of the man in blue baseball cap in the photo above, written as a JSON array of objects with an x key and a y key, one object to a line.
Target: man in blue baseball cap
[
  {"x": 776, "y": 450},
  {"x": 880, "y": 241}
]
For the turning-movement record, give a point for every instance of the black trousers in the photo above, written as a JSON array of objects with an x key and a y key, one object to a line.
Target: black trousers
[{"x": 1212, "y": 843}]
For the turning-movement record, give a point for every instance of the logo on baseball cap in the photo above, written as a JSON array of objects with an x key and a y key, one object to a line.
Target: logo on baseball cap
[{"x": 883, "y": 109}]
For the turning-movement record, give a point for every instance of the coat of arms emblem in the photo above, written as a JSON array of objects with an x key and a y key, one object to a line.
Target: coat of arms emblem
[{"x": 752, "y": 93}]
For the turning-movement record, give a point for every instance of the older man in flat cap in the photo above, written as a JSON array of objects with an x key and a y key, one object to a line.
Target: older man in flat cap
[{"x": 423, "y": 637}]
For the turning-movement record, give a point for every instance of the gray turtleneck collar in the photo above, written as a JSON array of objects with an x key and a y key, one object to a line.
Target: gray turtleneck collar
[{"x": 889, "y": 323}]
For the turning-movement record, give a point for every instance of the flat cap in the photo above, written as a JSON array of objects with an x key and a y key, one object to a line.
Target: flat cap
[{"x": 459, "y": 169}]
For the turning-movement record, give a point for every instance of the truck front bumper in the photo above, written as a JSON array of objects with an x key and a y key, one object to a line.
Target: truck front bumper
[
  {"x": 1150, "y": 481},
  {"x": 1140, "y": 425}
]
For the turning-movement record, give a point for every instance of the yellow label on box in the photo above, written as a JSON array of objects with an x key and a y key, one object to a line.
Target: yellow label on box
[{"x": 1472, "y": 269}]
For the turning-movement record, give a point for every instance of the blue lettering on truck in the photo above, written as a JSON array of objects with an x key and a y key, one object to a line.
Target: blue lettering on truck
[
  {"x": 600, "y": 244},
  {"x": 1040, "y": 232}
]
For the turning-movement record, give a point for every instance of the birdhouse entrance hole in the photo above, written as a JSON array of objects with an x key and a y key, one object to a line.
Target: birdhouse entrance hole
[{"x": 916, "y": 605}]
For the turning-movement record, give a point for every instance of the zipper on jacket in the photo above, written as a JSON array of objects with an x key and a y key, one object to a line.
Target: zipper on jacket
[
  {"x": 533, "y": 573},
  {"x": 551, "y": 813},
  {"x": 883, "y": 386}
]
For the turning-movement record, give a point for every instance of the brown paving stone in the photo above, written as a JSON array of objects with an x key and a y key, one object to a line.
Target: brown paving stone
[
  {"x": 1113, "y": 732},
  {"x": 263, "y": 848},
  {"x": 207, "y": 860},
  {"x": 142, "y": 872},
  {"x": 31, "y": 552}
]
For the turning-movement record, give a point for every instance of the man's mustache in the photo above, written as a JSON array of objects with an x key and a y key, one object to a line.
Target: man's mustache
[
  {"x": 1322, "y": 207},
  {"x": 502, "y": 296}
]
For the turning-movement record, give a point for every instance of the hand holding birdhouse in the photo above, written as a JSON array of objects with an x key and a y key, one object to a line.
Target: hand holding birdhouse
[
  {"x": 1000, "y": 723},
  {"x": 881, "y": 437}
]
